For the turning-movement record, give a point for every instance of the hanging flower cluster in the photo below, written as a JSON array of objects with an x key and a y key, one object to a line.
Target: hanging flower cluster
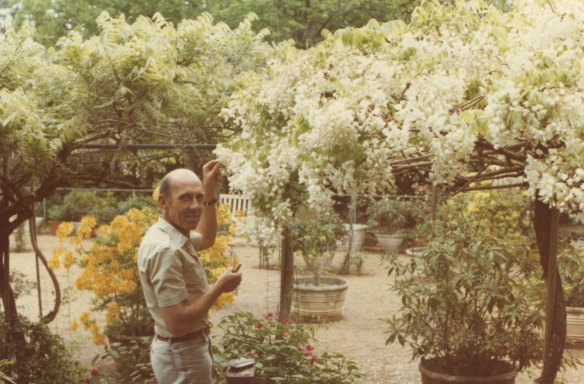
[
  {"x": 109, "y": 269},
  {"x": 459, "y": 85}
]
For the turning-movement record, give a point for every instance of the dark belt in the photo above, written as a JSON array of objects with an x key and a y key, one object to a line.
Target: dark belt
[{"x": 187, "y": 337}]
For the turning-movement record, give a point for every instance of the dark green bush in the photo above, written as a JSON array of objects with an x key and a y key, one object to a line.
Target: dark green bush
[{"x": 48, "y": 359}]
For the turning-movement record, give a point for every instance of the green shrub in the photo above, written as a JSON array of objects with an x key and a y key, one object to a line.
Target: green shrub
[
  {"x": 571, "y": 267},
  {"x": 133, "y": 361},
  {"x": 282, "y": 350},
  {"x": 48, "y": 359},
  {"x": 75, "y": 205},
  {"x": 469, "y": 299},
  {"x": 136, "y": 201},
  {"x": 4, "y": 378}
]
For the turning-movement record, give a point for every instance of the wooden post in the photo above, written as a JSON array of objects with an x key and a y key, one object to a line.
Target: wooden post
[
  {"x": 286, "y": 275},
  {"x": 546, "y": 231}
]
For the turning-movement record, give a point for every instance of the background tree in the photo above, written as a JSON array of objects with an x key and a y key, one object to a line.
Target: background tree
[
  {"x": 300, "y": 20},
  {"x": 304, "y": 20},
  {"x": 140, "y": 83},
  {"x": 55, "y": 18}
]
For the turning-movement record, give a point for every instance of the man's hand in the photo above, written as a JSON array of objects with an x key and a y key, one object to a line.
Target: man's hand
[
  {"x": 228, "y": 281},
  {"x": 211, "y": 178}
]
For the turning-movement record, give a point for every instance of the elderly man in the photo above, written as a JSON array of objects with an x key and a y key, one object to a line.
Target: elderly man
[{"x": 174, "y": 281}]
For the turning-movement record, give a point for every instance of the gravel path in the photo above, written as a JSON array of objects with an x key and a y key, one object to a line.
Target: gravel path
[{"x": 359, "y": 335}]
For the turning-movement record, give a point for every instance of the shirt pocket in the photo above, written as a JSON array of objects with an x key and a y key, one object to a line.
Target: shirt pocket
[{"x": 195, "y": 276}]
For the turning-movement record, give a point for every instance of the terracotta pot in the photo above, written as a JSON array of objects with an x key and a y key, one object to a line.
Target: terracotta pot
[
  {"x": 54, "y": 225},
  {"x": 575, "y": 327},
  {"x": 430, "y": 376},
  {"x": 321, "y": 303}
]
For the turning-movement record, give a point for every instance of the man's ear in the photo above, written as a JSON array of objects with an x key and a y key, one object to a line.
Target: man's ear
[{"x": 162, "y": 201}]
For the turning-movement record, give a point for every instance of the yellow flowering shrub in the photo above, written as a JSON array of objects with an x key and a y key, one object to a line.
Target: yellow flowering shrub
[
  {"x": 109, "y": 269},
  {"x": 505, "y": 211}
]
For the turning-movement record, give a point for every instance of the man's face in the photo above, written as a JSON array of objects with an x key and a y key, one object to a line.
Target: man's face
[{"x": 184, "y": 205}]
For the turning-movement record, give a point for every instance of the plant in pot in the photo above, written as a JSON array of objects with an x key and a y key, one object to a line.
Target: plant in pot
[
  {"x": 318, "y": 298},
  {"x": 75, "y": 205},
  {"x": 388, "y": 218},
  {"x": 471, "y": 303},
  {"x": 571, "y": 267}
]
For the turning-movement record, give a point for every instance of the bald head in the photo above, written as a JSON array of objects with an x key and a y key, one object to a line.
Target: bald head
[
  {"x": 181, "y": 199},
  {"x": 172, "y": 177}
]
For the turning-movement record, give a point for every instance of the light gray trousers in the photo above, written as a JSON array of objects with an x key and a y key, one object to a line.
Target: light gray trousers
[{"x": 185, "y": 362}]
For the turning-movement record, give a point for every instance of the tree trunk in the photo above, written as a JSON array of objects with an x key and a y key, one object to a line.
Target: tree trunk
[
  {"x": 15, "y": 336},
  {"x": 546, "y": 231},
  {"x": 286, "y": 275},
  {"x": 346, "y": 267}
]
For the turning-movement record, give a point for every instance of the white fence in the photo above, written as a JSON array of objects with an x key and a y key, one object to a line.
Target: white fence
[{"x": 237, "y": 202}]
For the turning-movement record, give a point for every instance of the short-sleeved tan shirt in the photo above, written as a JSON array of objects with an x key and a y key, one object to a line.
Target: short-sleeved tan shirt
[{"x": 170, "y": 272}]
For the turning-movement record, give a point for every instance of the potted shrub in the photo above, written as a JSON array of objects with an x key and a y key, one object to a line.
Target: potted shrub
[
  {"x": 317, "y": 298},
  {"x": 388, "y": 218},
  {"x": 75, "y": 205},
  {"x": 56, "y": 214},
  {"x": 571, "y": 267},
  {"x": 471, "y": 303}
]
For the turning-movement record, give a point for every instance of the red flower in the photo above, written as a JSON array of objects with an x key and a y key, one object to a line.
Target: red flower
[
  {"x": 94, "y": 373},
  {"x": 269, "y": 316},
  {"x": 258, "y": 326}
]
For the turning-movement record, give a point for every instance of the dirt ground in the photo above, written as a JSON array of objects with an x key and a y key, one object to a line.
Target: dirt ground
[{"x": 359, "y": 335}]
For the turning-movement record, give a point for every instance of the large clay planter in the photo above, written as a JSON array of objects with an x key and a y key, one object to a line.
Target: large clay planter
[
  {"x": 358, "y": 236},
  {"x": 430, "y": 376},
  {"x": 390, "y": 242},
  {"x": 321, "y": 303},
  {"x": 54, "y": 225},
  {"x": 575, "y": 327}
]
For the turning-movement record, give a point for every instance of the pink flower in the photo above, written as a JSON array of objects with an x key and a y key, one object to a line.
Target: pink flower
[
  {"x": 258, "y": 326},
  {"x": 269, "y": 316}
]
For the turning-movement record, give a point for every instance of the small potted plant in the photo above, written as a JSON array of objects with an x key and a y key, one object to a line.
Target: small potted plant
[
  {"x": 571, "y": 267},
  {"x": 471, "y": 303},
  {"x": 318, "y": 298},
  {"x": 388, "y": 218},
  {"x": 75, "y": 205}
]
